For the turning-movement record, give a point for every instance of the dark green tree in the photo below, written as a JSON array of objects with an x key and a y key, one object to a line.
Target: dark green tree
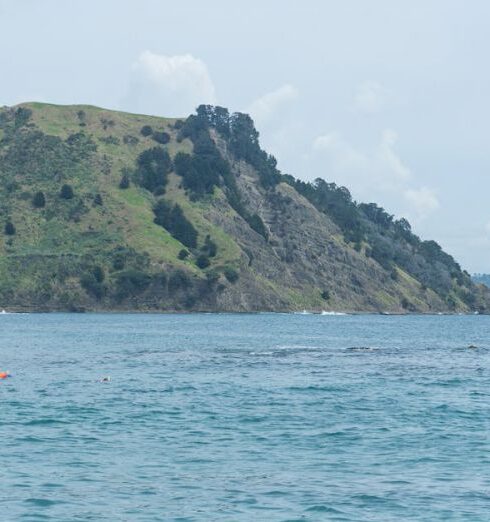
[
  {"x": 10, "y": 228},
  {"x": 66, "y": 192},
  {"x": 153, "y": 167},
  {"x": 202, "y": 261},
  {"x": 146, "y": 130},
  {"x": 161, "y": 137},
  {"x": 39, "y": 201},
  {"x": 124, "y": 183}
]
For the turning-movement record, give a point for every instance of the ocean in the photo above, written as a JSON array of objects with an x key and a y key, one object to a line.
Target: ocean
[{"x": 240, "y": 417}]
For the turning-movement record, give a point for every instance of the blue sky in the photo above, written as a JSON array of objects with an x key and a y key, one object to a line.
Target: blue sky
[{"x": 387, "y": 98}]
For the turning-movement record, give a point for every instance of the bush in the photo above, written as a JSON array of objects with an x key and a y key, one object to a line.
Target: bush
[
  {"x": 210, "y": 247},
  {"x": 183, "y": 254},
  {"x": 255, "y": 222},
  {"x": 98, "y": 200},
  {"x": 132, "y": 282},
  {"x": 231, "y": 274},
  {"x": 39, "y": 201},
  {"x": 66, "y": 192},
  {"x": 153, "y": 167},
  {"x": 98, "y": 273},
  {"x": 10, "y": 228},
  {"x": 325, "y": 295},
  {"x": 146, "y": 130},
  {"x": 174, "y": 220},
  {"x": 178, "y": 280},
  {"x": 202, "y": 261},
  {"x": 161, "y": 137},
  {"x": 124, "y": 183},
  {"x": 92, "y": 286}
]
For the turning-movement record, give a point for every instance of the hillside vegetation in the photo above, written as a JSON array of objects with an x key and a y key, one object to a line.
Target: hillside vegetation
[{"x": 103, "y": 210}]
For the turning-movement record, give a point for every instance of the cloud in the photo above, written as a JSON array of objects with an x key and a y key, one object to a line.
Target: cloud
[
  {"x": 373, "y": 174},
  {"x": 379, "y": 167},
  {"x": 265, "y": 108},
  {"x": 170, "y": 85},
  {"x": 422, "y": 201},
  {"x": 370, "y": 97}
]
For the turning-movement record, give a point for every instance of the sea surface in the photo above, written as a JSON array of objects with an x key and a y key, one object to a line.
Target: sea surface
[{"x": 226, "y": 417}]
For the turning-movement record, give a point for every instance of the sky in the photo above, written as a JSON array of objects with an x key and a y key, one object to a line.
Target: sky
[{"x": 390, "y": 99}]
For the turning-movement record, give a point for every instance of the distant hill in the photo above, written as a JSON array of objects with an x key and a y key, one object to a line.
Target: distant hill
[
  {"x": 103, "y": 210},
  {"x": 481, "y": 279}
]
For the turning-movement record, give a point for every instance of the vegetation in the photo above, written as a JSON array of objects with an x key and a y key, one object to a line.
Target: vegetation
[
  {"x": 173, "y": 219},
  {"x": 86, "y": 225},
  {"x": 153, "y": 166},
  {"x": 39, "y": 201},
  {"x": 66, "y": 192}
]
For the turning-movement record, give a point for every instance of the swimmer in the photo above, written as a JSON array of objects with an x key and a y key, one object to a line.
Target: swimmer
[
  {"x": 4, "y": 375},
  {"x": 107, "y": 378}
]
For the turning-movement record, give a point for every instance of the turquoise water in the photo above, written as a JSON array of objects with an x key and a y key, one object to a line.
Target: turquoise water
[{"x": 244, "y": 417}]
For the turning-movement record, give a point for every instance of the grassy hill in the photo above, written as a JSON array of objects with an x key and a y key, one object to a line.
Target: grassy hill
[{"x": 103, "y": 210}]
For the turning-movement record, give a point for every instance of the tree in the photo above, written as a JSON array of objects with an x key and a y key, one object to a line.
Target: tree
[
  {"x": 174, "y": 220},
  {"x": 210, "y": 248},
  {"x": 98, "y": 273},
  {"x": 161, "y": 137},
  {"x": 325, "y": 295},
  {"x": 66, "y": 192},
  {"x": 10, "y": 228},
  {"x": 231, "y": 274},
  {"x": 146, "y": 130},
  {"x": 202, "y": 261},
  {"x": 39, "y": 201},
  {"x": 153, "y": 167},
  {"x": 98, "y": 200},
  {"x": 124, "y": 183},
  {"x": 183, "y": 254}
]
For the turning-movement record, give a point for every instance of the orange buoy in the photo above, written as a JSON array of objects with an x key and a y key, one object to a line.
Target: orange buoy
[{"x": 4, "y": 375}]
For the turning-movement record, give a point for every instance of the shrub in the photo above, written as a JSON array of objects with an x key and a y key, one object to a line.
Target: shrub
[
  {"x": 98, "y": 200},
  {"x": 66, "y": 192},
  {"x": 210, "y": 248},
  {"x": 153, "y": 167},
  {"x": 161, "y": 137},
  {"x": 174, "y": 220},
  {"x": 10, "y": 228},
  {"x": 146, "y": 130},
  {"x": 98, "y": 273},
  {"x": 132, "y": 282},
  {"x": 231, "y": 274},
  {"x": 39, "y": 201},
  {"x": 325, "y": 295},
  {"x": 202, "y": 261},
  {"x": 124, "y": 183},
  {"x": 92, "y": 286},
  {"x": 183, "y": 254},
  {"x": 257, "y": 225},
  {"x": 178, "y": 280},
  {"x": 130, "y": 140}
]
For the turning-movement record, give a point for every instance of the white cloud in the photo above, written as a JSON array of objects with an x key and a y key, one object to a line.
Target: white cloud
[
  {"x": 422, "y": 201},
  {"x": 379, "y": 168},
  {"x": 170, "y": 85},
  {"x": 370, "y": 97},
  {"x": 374, "y": 174},
  {"x": 263, "y": 109}
]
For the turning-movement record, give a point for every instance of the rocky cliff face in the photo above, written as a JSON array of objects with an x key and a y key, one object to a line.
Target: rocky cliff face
[{"x": 192, "y": 215}]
